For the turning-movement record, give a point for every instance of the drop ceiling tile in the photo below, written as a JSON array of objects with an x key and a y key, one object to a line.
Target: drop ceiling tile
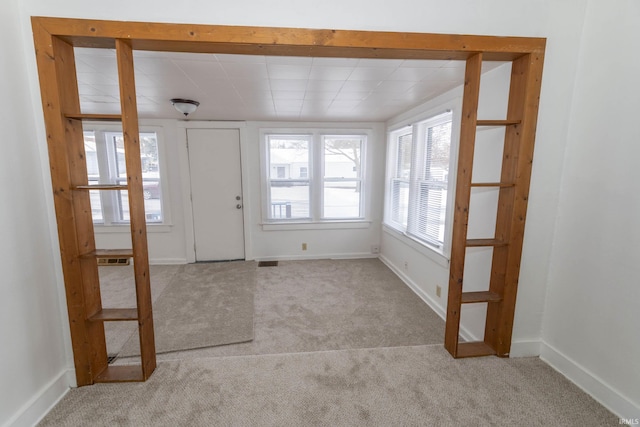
[
  {"x": 335, "y": 62},
  {"x": 201, "y": 71},
  {"x": 359, "y": 85},
  {"x": 324, "y": 85},
  {"x": 380, "y": 63},
  {"x": 370, "y": 73},
  {"x": 154, "y": 65},
  {"x": 247, "y": 71},
  {"x": 412, "y": 74},
  {"x": 313, "y": 95},
  {"x": 244, "y": 85},
  {"x": 95, "y": 78},
  {"x": 422, "y": 63},
  {"x": 251, "y": 59},
  {"x": 283, "y": 94},
  {"x": 288, "y": 84},
  {"x": 278, "y": 71},
  {"x": 289, "y": 60},
  {"x": 330, "y": 73},
  {"x": 351, "y": 96},
  {"x": 287, "y": 104}
]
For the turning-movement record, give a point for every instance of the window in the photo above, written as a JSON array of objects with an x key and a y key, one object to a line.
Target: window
[
  {"x": 419, "y": 179},
  {"x": 342, "y": 184},
  {"x": 106, "y": 165},
  {"x": 314, "y": 176}
]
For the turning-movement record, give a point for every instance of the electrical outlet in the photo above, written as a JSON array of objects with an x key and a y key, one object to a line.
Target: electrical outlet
[
  {"x": 438, "y": 291},
  {"x": 304, "y": 246},
  {"x": 375, "y": 249}
]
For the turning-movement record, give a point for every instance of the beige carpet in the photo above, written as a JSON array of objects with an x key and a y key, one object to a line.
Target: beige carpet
[
  {"x": 303, "y": 306},
  {"x": 402, "y": 386},
  {"x": 202, "y": 305}
]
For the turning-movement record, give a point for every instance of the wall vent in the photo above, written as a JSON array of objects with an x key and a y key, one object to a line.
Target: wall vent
[{"x": 113, "y": 261}]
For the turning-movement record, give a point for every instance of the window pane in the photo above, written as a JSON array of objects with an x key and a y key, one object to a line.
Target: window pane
[
  {"x": 403, "y": 163},
  {"x": 342, "y": 199},
  {"x": 93, "y": 173},
  {"x": 150, "y": 177},
  {"x": 289, "y": 176},
  {"x": 342, "y": 156},
  {"x": 400, "y": 201},
  {"x": 430, "y": 187},
  {"x": 289, "y": 199},
  {"x": 288, "y": 157}
]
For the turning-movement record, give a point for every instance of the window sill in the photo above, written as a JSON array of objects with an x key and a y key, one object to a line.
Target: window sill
[
  {"x": 126, "y": 228},
  {"x": 421, "y": 247},
  {"x": 316, "y": 225}
]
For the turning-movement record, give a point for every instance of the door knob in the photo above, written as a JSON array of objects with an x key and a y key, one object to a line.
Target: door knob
[{"x": 238, "y": 206}]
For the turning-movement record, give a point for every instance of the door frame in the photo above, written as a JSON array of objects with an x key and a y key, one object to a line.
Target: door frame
[
  {"x": 55, "y": 37},
  {"x": 189, "y": 226}
]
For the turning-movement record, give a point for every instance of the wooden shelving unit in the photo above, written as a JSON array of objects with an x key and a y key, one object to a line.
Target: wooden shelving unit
[
  {"x": 513, "y": 189},
  {"x": 75, "y": 224}
]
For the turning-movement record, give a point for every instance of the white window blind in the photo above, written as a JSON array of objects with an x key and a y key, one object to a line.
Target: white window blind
[
  {"x": 420, "y": 179},
  {"x": 429, "y": 186},
  {"x": 401, "y": 176}
]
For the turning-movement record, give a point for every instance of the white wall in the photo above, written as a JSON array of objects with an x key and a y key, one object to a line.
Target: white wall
[
  {"x": 325, "y": 241},
  {"x": 560, "y": 21},
  {"x": 423, "y": 269},
  {"x": 591, "y": 326},
  {"x": 33, "y": 356}
]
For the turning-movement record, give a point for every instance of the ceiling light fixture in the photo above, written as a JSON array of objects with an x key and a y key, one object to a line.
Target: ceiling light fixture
[{"x": 185, "y": 106}]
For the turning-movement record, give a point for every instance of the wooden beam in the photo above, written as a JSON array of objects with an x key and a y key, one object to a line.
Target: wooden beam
[
  {"x": 131, "y": 135},
  {"x": 526, "y": 76},
  {"x": 56, "y": 71},
  {"x": 463, "y": 194},
  {"x": 287, "y": 41}
]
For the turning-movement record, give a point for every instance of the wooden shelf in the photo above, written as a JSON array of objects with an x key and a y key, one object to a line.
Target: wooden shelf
[
  {"x": 493, "y": 184},
  {"x": 112, "y": 253},
  {"x": 96, "y": 117},
  {"x": 474, "y": 349},
  {"x": 115, "y": 315},
  {"x": 485, "y": 242},
  {"x": 480, "y": 296},
  {"x": 120, "y": 374},
  {"x": 101, "y": 187},
  {"x": 497, "y": 122}
]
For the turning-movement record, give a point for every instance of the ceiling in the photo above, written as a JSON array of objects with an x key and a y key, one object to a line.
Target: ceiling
[{"x": 251, "y": 87}]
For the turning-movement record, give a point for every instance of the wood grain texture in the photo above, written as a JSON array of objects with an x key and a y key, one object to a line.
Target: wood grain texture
[
  {"x": 131, "y": 135},
  {"x": 462, "y": 198},
  {"x": 287, "y": 41}
]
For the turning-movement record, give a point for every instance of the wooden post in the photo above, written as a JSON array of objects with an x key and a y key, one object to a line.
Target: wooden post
[
  {"x": 131, "y": 136},
  {"x": 463, "y": 195}
]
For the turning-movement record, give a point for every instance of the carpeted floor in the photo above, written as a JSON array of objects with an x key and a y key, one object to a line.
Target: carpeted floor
[
  {"x": 194, "y": 306},
  {"x": 337, "y": 343},
  {"x": 401, "y": 386},
  {"x": 318, "y": 305}
]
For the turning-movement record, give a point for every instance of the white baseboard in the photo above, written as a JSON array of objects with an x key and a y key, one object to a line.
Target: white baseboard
[
  {"x": 41, "y": 403},
  {"x": 356, "y": 255},
  {"x": 167, "y": 261},
  {"x": 525, "y": 349},
  {"x": 435, "y": 306},
  {"x": 606, "y": 395}
]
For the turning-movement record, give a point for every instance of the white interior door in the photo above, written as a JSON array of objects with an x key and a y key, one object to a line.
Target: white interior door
[{"x": 216, "y": 193}]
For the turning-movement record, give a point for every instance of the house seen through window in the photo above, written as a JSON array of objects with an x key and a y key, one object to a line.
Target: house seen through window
[
  {"x": 314, "y": 176},
  {"x": 106, "y": 165}
]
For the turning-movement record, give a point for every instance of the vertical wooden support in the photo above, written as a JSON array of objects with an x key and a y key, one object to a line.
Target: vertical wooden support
[
  {"x": 56, "y": 68},
  {"x": 462, "y": 198},
  {"x": 131, "y": 135},
  {"x": 526, "y": 77}
]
